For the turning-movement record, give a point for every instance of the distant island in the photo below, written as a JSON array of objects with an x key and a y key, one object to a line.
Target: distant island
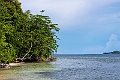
[{"x": 114, "y": 52}]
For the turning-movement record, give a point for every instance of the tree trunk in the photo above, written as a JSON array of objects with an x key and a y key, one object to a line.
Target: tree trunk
[{"x": 28, "y": 51}]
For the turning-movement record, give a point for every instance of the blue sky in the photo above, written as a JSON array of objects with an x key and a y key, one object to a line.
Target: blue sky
[{"x": 87, "y": 26}]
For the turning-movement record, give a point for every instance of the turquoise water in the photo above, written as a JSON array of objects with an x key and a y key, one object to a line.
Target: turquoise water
[{"x": 68, "y": 67}]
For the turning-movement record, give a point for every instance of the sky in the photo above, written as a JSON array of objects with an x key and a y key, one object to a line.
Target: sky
[{"x": 86, "y": 26}]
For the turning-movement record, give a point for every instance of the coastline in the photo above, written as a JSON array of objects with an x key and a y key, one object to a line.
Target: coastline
[
  {"x": 68, "y": 67},
  {"x": 18, "y": 63}
]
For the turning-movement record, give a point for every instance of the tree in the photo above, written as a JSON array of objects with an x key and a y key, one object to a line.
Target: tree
[
  {"x": 23, "y": 34},
  {"x": 40, "y": 39},
  {"x": 7, "y": 51}
]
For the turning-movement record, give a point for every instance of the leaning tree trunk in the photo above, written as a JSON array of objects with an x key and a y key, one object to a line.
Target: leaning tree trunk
[{"x": 28, "y": 51}]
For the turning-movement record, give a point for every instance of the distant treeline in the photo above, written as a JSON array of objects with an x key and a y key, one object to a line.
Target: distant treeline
[
  {"x": 114, "y": 52},
  {"x": 24, "y": 35}
]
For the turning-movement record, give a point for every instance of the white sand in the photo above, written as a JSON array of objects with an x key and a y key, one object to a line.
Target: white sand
[{"x": 16, "y": 64}]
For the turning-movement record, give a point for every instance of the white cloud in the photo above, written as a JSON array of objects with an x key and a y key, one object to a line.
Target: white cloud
[
  {"x": 113, "y": 43},
  {"x": 68, "y": 12},
  {"x": 63, "y": 11}
]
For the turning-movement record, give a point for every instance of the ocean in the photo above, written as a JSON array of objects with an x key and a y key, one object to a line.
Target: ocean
[{"x": 68, "y": 67}]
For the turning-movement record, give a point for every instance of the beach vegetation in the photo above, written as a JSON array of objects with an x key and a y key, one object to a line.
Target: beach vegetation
[{"x": 25, "y": 35}]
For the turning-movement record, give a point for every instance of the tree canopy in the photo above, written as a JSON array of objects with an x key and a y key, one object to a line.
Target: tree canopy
[{"x": 23, "y": 34}]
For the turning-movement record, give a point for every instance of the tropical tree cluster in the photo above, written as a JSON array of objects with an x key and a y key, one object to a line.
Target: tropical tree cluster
[{"x": 24, "y": 35}]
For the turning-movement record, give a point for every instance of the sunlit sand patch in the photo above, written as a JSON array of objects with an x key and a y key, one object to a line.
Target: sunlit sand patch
[{"x": 16, "y": 64}]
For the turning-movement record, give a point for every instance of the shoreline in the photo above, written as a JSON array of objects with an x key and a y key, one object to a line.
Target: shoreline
[{"x": 15, "y": 64}]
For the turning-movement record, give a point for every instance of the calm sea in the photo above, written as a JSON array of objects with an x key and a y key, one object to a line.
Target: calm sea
[{"x": 68, "y": 67}]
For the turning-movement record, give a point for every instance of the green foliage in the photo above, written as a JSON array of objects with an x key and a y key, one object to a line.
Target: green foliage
[
  {"x": 23, "y": 34},
  {"x": 43, "y": 36},
  {"x": 7, "y": 51}
]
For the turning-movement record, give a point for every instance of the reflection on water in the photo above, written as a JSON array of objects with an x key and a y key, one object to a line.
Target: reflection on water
[{"x": 68, "y": 67}]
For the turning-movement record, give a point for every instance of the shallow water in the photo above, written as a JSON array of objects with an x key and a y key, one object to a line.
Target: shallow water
[
  {"x": 68, "y": 67},
  {"x": 26, "y": 72}
]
